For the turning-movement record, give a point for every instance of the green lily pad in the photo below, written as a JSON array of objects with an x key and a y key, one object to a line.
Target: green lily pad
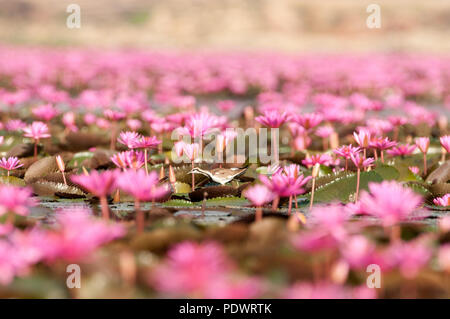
[
  {"x": 387, "y": 172},
  {"x": 342, "y": 188},
  {"x": 227, "y": 201},
  {"x": 12, "y": 180},
  {"x": 78, "y": 158},
  {"x": 178, "y": 203}
]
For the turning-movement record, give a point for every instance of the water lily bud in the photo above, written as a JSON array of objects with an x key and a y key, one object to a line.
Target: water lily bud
[
  {"x": 60, "y": 163},
  {"x": 315, "y": 170}
]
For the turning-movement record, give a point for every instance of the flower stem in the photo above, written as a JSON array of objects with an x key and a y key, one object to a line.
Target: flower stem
[
  {"x": 35, "y": 149},
  {"x": 193, "y": 176},
  {"x": 64, "y": 178},
  {"x": 275, "y": 203},
  {"x": 145, "y": 159},
  {"x": 357, "y": 184},
  {"x": 424, "y": 164},
  {"x": 139, "y": 217},
  {"x": 258, "y": 214},
  {"x": 105, "y": 208},
  {"x": 382, "y": 156},
  {"x": 312, "y": 193},
  {"x": 290, "y": 205},
  {"x": 274, "y": 141}
]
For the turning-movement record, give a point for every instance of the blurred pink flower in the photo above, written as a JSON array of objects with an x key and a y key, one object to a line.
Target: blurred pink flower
[
  {"x": 360, "y": 162},
  {"x": 445, "y": 142},
  {"x": 129, "y": 139},
  {"x": 190, "y": 268},
  {"x": 113, "y": 115},
  {"x": 346, "y": 151},
  {"x": 322, "y": 159},
  {"x": 272, "y": 118},
  {"x": 423, "y": 143},
  {"x": 45, "y": 112},
  {"x": 442, "y": 201},
  {"x": 259, "y": 195},
  {"x": 362, "y": 138},
  {"x": 381, "y": 143},
  {"x": 283, "y": 185},
  {"x": 409, "y": 257},
  {"x": 98, "y": 183},
  {"x": 69, "y": 121},
  {"x": 36, "y": 131},
  {"x": 402, "y": 150},
  {"x": 10, "y": 164},
  {"x": 444, "y": 257},
  {"x": 147, "y": 142},
  {"x": 16, "y": 200},
  {"x": 308, "y": 120},
  {"x": 141, "y": 186},
  {"x": 357, "y": 251},
  {"x": 390, "y": 201},
  {"x": 78, "y": 234},
  {"x": 129, "y": 159},
  {"x": 414, "y": 169}
]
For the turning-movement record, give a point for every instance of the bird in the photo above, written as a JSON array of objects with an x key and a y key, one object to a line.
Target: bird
[{"x": 220, "y": 175}]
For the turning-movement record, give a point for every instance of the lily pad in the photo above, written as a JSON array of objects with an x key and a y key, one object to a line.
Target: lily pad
[
  {"x": 12, "y": 180},
  {"x": 342, "y": 188},
  {"x": 78, "y": 158}
]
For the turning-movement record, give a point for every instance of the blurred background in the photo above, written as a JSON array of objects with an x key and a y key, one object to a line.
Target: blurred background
[{"x": 248, "y": 25}]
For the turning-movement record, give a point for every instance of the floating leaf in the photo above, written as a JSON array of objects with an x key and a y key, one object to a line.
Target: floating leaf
[
  {"x": 342, "y": 187},
  {"x": 227, "y": 201},
  {"x": 178, "y": 203},
  {"x": 387, "y": 172},
  {"x": 78, "y": 158},
  {"x": 12, "y": 180}
]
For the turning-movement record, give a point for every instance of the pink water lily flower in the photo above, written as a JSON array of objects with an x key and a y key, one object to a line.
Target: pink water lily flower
[
  {"x": 147, "y": 142},
  {"x": 100, "y": 184},
  {"x": 423, "y": 143},
  {"x": 273, "y": 118},
  {"x": 360, "y": 162},
  {"x": 358, "y": 251},
  {"x": 17, "y": 200},
  {"x": 36, "y": 131},
  {"x": 402, "y": 150},
  {"x": 308, "y": 120},
  {"x": 409, "y": 257},
  {"x": 362, "y": 138},
  {"x": 142, "y": 187},
  {"x": 322, "y": 159},
  {"x": 442, "y": 201},
  {"x": 191, "y": 268},
  {"x": 78, "y": 234},
  {"x": 445, "y": 142},
  {"x": 68, "y": 120},
  {"x": 331, "y": 219},
  {"x": 414, "y": 169},
  {"x": 390, "y": 202},
  {"x": 129, "y": 138},
  {"x": 129, "y": 159},
  {"x": 259, "y": 195},
  {"x": 45, "y": 112},
  {"x": 10, "y": 164}
]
